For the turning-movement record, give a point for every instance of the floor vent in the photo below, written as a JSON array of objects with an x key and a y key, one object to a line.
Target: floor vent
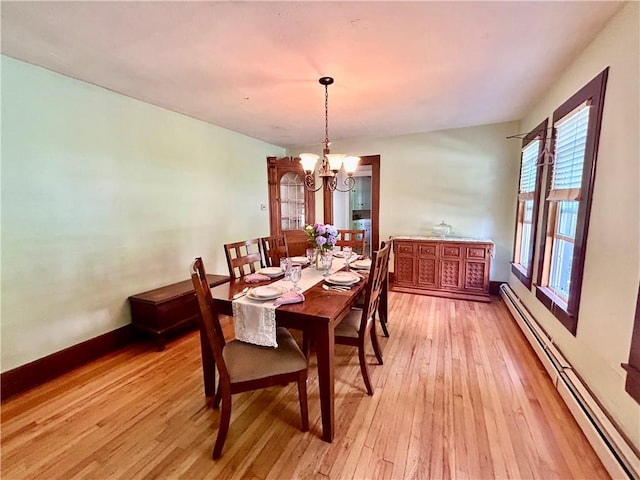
[{"x": 618, "y": 457}]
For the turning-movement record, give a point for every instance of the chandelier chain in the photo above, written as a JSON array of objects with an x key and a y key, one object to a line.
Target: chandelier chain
[
  {"x": 327, "y": 171},
  {"x": 326, "y": 118}
]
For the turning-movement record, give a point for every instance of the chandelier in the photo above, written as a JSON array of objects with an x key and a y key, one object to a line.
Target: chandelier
[{"x": 331, "y": 162}]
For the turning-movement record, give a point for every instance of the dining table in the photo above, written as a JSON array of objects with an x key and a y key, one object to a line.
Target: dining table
[{"x": 317, "y": 316}]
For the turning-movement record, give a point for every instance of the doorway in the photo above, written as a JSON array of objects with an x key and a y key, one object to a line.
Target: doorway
[{"x": 358, "y": 209}]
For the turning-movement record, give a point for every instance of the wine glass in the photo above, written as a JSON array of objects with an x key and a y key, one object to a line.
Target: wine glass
[
  {"x": 296, "y": 274},
  {"x": 311, "y": 253},
  {"x": 347, "y": 252},
  {"x": 285, "y": 266},
  {"x": 326, "y": 260}
]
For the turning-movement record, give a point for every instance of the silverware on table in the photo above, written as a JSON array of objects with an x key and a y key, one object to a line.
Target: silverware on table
[
  {"x": 244, "y": 291},
  {"x": 336, "y": 288}
]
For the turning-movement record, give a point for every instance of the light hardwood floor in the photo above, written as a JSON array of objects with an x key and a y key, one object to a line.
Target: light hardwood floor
[{"x": 461, "y": 395}]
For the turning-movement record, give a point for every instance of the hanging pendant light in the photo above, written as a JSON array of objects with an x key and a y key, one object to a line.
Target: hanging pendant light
[{"x": 331, "y": 162}]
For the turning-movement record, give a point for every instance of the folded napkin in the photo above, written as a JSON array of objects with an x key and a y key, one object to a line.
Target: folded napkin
[
  {"x": 255, "y": 278},
  {"x": 290, "y": 296}
]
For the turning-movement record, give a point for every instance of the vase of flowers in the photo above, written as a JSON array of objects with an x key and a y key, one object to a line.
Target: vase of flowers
[{"x": 322, "y": 237}]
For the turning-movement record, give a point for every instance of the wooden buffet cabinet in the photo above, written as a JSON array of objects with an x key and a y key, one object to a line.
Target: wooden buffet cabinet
[{"x": 445, "y": 267}]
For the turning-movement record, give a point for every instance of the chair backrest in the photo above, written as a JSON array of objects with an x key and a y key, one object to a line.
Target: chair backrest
[
  {"x": 274, "y": 248},
  {"x": 352, "y": 238},
  {"x": 243, "y": 256},
  {"x": 377, "y": 277},
  {"x": 209, "y": 315},
  {"x": 297, "y": 242}
]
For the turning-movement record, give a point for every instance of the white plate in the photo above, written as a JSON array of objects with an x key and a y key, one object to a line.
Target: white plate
[
  {"x": 300, "y": 260},
  {"x": 343, "y": 278},
  {"x": 341, "y": 284},
  {"x": 266, "y": 292},
  {"x": 361, "y": 264},
  {"x": 340, "y": 254},
  {"x": 271, "y": 272}
]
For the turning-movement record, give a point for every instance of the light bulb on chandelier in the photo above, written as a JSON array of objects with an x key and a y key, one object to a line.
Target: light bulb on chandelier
[{"x": 331, "y": 162}]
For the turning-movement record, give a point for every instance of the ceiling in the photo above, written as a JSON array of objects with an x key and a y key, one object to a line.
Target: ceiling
[{"x": 253, "y": 67}]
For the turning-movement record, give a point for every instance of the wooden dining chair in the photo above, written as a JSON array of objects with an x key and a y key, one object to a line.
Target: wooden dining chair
[
  {"x": 242, "y": 366},
  {"x": 383, "y": 303},
  {"x": 244, "y": 257},
  {"x": 360, "y": 323},
  {"x": 274, "y": 248},
  {"x": 352, "y": 238}
]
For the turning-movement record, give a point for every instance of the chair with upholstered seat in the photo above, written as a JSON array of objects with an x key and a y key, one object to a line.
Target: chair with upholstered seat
[
  {"x": 244, "y": 257},
  {"x": 242, "y": 366},
  {"x": 352, "y": 238},
  {"x": 360, "y": 323},
  {"x": 274, "y": 248}
]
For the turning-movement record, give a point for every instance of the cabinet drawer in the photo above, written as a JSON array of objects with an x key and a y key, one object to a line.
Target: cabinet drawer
[
  {"x": 427, "y": 249},
  {"x": 476, "y": 252},
  {"x": 405, "y": 248},
  {"x": 451, "y": 250}
]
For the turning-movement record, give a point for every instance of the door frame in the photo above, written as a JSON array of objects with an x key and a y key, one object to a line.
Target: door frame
[{"x": 374, "y": 161}]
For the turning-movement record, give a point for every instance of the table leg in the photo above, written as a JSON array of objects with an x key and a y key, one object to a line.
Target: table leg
[
  {"x": 325, "y": 345},
  {"x": 208, "y": 364}
]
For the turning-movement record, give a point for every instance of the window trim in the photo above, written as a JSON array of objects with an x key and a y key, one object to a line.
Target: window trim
[
  {"x": 526, "y": 276},
  {"x": 567, "y": 312}
]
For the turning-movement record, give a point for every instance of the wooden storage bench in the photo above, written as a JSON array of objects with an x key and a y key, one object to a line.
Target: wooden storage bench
[{"x": 166, "y": 309}]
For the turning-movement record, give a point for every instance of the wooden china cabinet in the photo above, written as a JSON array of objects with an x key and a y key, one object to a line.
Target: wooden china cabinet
[
  {"x": 446, "y": 267},
  {"x": 291, "y": 205}
]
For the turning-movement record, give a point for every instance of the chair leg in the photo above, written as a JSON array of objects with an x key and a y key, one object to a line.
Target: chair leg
[
  {"x": 374, "y": 341},
  {"x": 363, "y": 366},
  {"x": 383, "y": 324},
  {"x": 217, "y": 397},
  {"x": 302, "y": 397},
  {"x": 225, "y": 418},
  {"x": 306, "y": 344}
]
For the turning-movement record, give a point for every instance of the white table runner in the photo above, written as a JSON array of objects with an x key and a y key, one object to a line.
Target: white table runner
[{"x": 255, "y": 320}]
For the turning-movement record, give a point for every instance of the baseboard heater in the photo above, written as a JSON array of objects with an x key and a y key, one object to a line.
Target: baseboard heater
[{"x": 616, "y": 454}]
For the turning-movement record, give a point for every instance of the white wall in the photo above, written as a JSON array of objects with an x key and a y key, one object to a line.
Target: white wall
[
  {"x": 466, "y": 176},
  {"x": 612, "y": 266},
  {"x": 103, "y": 197}
]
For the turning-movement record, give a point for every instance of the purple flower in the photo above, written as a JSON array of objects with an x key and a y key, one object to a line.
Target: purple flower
[{"x": 321, "y": 236}]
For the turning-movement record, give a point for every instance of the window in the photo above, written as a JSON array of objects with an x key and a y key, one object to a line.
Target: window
[
  {"x": 576, "y": 127},
  {"x": 532, "y": 159}
]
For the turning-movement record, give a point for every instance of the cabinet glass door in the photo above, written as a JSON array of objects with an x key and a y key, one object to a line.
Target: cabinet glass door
[
  {"x": 292, "y": 211},
  {"x": 291, "y": 205}
]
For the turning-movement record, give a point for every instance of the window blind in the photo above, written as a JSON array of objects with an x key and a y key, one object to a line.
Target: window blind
[
  {"x": 528, "y": 170},
  {"x": 571, "y": 141}
]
